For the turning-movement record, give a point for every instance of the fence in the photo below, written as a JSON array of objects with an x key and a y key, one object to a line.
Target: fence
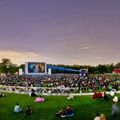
[
  {"x": 44, "y": 90},
  {"x": 39, "y": 90}
]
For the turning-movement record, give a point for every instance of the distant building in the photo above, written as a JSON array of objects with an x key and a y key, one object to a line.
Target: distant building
[
  {"x": 83, "y": 72},
  {"x": 116, "y": 70}
]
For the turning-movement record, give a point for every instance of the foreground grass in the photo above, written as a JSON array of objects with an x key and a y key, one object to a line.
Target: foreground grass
[{"x": 84, "y": 107}]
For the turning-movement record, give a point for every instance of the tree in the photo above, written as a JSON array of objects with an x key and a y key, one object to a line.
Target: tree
[
  {"x": 6, "y": 61},
  {"x": 6, "y": 66},
  {"x": 22, "y": 66},
  {"x": 117, "y": 65}
]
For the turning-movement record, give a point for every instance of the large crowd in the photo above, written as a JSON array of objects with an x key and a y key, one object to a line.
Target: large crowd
[{"x": 83, "y": 83}]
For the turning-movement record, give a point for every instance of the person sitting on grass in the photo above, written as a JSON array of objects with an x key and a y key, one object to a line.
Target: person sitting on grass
[
  {"x": 65, "y": 112},
  {"x": 2, "y": 95},
  {"x": 17, "y": 108},
  {"x": 39, "y": 99},
  {"x": 104, "y": 96},
  {"x": 97, "y": 117},
  {"x": 102, "y": 117},
  {"x": 69, "y": 111},
  {"x": 28, "y": 110},
  {"x": 70, "y": 97},
  {"x": 97, "y": 95},
  {"x": 61, "y": 113}
]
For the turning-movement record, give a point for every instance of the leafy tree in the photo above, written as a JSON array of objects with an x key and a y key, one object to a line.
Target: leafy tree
[
  {"x": 117, "y": 65},
  {"x": 6, "y": 66},
  {"x": 22, "y": 66}
]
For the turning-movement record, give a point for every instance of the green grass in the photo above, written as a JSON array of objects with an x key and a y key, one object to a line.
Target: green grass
[{"x": 84, "y": 107}]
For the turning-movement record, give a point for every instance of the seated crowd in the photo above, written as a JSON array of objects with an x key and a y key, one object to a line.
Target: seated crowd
[
  {"x": 68, "y": 81},
  {"x": 83, "y": 83}
]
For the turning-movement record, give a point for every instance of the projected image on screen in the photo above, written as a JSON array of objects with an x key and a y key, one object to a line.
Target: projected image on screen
[{"x": 36, "y": 67}]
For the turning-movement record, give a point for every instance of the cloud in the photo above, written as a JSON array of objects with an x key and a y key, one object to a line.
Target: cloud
[
  {"x": 78, "y": 48},
  {"x": 85, "y": 48},
  {"x": 22, "y": 57},
  {"x": 98, "y": 58}
]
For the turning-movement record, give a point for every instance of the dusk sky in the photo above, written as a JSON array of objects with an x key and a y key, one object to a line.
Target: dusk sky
[{"x": 84, "y": 32}]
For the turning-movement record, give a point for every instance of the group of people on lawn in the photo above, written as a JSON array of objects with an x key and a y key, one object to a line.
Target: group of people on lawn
[
  {"x": 83, "y": 83},
  {"x": 65, "y": 112},
  {"x": 114, "y": 116},
  {"x": 18, "y": 109},
  {"x": 68, "y": 110}
]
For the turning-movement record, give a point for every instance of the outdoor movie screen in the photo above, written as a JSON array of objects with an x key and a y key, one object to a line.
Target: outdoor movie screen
[{"x": 35, "y": 67}]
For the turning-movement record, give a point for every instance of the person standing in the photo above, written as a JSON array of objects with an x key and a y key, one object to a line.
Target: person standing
[{"x": 115, "y": 110}]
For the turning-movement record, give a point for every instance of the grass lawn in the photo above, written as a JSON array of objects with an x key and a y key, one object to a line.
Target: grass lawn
[{"x": 84, "y": 107}]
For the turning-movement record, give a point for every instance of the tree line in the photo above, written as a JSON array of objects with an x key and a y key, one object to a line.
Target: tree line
[{"x": 6, "y": 66}]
